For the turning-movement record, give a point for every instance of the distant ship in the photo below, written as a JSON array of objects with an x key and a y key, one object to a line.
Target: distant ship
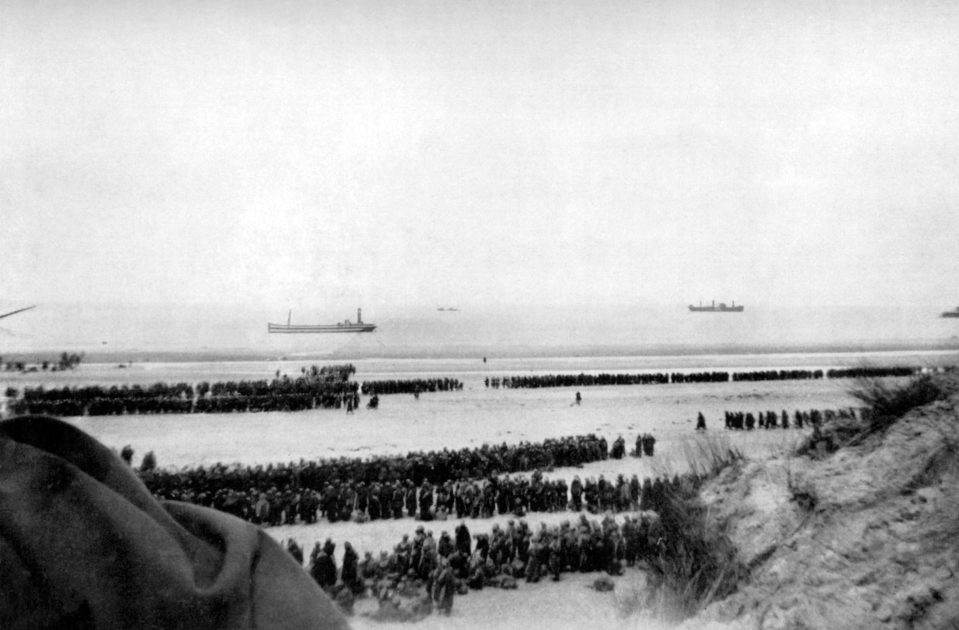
[
  {"x": 447, "y": 308},
  {"x": 952, "y": 313},
  {"x": 714, "y": 308},
  {"x": 341, "y": 327}
]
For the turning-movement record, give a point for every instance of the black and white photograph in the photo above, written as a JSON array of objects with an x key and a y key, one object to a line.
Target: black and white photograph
[{"x": 469, "y": 314}]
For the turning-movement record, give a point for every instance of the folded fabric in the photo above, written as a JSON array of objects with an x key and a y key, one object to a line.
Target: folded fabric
[{"x": 83, "y": 544}]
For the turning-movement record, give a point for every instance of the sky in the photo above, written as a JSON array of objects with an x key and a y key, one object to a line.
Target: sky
[{"x": 301, "y": 153}]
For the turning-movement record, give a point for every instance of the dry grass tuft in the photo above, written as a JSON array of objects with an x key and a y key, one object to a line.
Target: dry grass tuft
[
  {"x": 697, "y": 563},
  {"x": 708, "y": 454},
  {"x": 885, "y": 403}
]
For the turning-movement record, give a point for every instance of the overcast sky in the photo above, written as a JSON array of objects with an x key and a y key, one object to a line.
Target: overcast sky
[{"x": 465, "y": 153}]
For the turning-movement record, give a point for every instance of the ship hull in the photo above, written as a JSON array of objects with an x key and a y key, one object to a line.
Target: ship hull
[
  {"x": 950, "y": 314},
  {"x": 319, "y": 328},
  {"x": 711, "y": 309}
]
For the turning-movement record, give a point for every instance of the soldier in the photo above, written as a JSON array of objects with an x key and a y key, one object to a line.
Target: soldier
[
  {"x": 261, "y": 511},
  {"x": 649, "y": 442},
  {"x": 576, "y": 493},
  {"x": 619, "y": 448},
  {"x": 428, "y": 557},
  {"x": 635, "y": 490},
  {"x": 533, "y": 564},
  {"x": 463, "y": 540},
  {"x": 323, "y": 570},
  {"x": 397, "y": 500},
  {"x": 444, "y": 587},
  {"x": 562, "y": 495},
  {"x": 555, "y": 556},
  {"x": 403, "y": 556},
  {"x": 373, "y": 502},
  {"x": 367, "y": 567},
  {"x": 700, "y": 422},
  {"x": 295, "y": 551},
  {"x": 623, "y": 496},
  {"x": 350, "y": 574},
  {"x": 426, "y": 501},
  {"x": 362, "y": 497},
  {"x": 646, "y": 500},
  {"x": 410, "y": 498},
  {"x": 444, "y": 546}
]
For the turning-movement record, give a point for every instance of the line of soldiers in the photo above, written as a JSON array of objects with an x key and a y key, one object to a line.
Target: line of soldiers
[
  {"x": 422, "y": 572},
  {"x": 770, "y": 420},
  {"x": 462, "y": 499},
  {"x": 203, "y": 483},
  {"x": 409, "y": 386},
  {"x": 275, "y": 495},
  {"x": 575, "y": 380},
  {"x": 162, "y": 404},
  {"x": 662, "y": 378},
  {"x": 326, "y": 387}
]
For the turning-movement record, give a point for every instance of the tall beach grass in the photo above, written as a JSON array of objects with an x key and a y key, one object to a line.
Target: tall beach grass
[{"x": 697, "y": 562}]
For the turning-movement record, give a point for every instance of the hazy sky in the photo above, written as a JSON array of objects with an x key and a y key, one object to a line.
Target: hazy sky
[{"x": 463, "y": 153}]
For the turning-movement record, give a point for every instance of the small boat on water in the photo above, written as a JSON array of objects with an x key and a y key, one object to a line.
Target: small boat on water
[
  {"x": 345, "y": 326},
  {"x": 953, "y": 313},
  {"x": 714, "y": 308}
]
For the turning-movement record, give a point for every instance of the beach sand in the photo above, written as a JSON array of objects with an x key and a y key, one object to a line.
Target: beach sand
[{"x": 466, "y": 418}]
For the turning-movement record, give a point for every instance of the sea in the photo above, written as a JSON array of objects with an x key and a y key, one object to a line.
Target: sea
[{"x": 196, "y": 332}]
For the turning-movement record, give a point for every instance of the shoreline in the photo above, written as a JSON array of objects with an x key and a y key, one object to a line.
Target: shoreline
[{"x": 542, "y": 352}]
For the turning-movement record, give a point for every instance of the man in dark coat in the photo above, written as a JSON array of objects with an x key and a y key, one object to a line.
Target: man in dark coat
[
  {"x": 463, "y": 540},
  {"x": 103, "y": 553},
  {"x": 323, "y": 570},
  {"x": 350, "y": 574}
]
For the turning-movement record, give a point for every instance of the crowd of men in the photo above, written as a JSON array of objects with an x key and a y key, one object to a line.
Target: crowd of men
[
  {"x": 427, "y": 571},
  {"x": 411, "y": 386},
  {"x": 437, "y": 484},
  {"x": 316, "y": 387},
  {"x": 662, "y": 378},
  {"x": 771, "y": 420},
  {"x": 330, "y": 387},
  {"x": 463, "y": 499},
  {"x": 574, "y": 380}
]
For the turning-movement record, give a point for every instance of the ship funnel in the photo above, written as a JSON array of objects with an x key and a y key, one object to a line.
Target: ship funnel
[{"x": 359, "y": 316}]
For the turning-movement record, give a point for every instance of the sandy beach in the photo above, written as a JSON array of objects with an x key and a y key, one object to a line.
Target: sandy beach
[{"x": 466, "y": 418}]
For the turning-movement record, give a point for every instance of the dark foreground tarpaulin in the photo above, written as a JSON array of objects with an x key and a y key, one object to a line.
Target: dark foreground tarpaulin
[{"x": 83, "y": 544}]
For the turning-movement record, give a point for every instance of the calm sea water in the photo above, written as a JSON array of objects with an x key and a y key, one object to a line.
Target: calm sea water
[{"x": 142, "y": 332}]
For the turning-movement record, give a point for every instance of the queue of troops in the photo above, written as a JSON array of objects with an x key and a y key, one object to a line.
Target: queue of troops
[
  {"x": 484, "y": 498},
  {"x": 423, "y": 573},
  {"x": 813, "y": 418},
  {"x": 462, "y": 499},
  {"x": 411, "y": 386},
  {"x": 417, "y": 466},
  {"x": 662, "y": 378},
  {"x": 282, "y": 394},
  {"x": 275, "y": 495}
]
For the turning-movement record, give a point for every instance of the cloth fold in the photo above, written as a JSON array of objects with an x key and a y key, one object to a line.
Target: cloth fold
[{"x": 83, "y": 544}]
